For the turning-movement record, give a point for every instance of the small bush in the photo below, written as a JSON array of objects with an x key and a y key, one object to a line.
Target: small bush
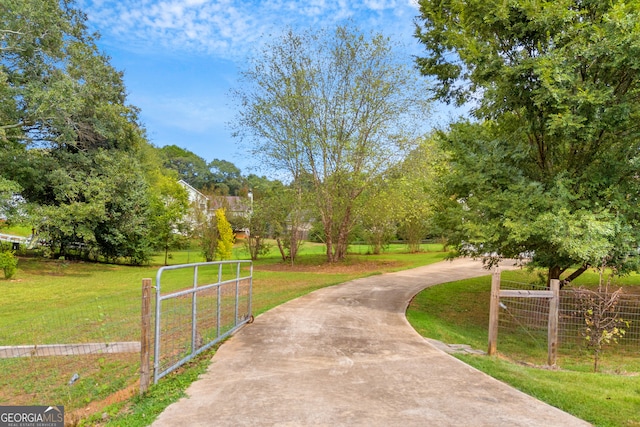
[{"x": 8, "y": 263}]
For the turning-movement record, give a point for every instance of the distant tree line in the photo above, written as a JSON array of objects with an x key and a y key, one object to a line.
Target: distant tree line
[{"x": 546, "y": 165}]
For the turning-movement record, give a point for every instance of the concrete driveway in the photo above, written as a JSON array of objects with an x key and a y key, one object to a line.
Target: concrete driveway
[{"x": 346, "y": 355}]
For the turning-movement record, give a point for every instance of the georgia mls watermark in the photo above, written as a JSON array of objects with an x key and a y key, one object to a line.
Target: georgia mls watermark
[{"x": 31, "y": 416}]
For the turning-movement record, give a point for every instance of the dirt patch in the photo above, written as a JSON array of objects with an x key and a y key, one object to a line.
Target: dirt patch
[{"x": 73, "y": 418}]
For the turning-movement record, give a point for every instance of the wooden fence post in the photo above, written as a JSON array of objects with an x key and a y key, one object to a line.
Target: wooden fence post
[
  {"x": 145, "y": 339},
  {"x": 552, "y": 338},
  {"x": 494, "y": 308}
]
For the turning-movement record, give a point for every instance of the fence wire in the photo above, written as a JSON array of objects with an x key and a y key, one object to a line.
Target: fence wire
[
  {"x": 72, "y": 355},
  {"x": 573, "y": 323},
  {"x": 194, "y": 318},
  {"x": 525, "y": 320},
  {"x": 79, "y": 354}
]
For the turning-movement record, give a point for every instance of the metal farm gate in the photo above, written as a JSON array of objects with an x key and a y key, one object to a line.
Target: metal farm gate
[{"x": 190, "y": 320}]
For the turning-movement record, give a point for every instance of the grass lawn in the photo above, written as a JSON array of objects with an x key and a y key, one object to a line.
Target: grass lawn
[
  {"x": 54, "y": 301},
  {"x": 458, "y": 313}
]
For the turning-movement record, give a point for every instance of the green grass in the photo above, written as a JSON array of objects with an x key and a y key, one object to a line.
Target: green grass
[
  {"x": 16, "y": 230},
  {"x": 142, "y": 410},
  {"x": 457, "y": 313},
  {"x": 104, "y": 300},
  {"x": 54, "y": 301},
  {"x": 601, "y": 399}
]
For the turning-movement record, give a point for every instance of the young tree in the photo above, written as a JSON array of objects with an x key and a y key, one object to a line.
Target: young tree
[
  {"x": 225, "y": 233},
  {"x": 603, "y": 323},
  {"x": 259, "y": 224},
  {"x": 551, "y": 165},
  {"x": 8, "y": 262},
  {"x": 415, "y": 180},
  {"x": 170, "y": 204},
  {"x": 338, "y": 107},
  {"x": 379, "y": 214},
  {"x": 208, "y": 234}
]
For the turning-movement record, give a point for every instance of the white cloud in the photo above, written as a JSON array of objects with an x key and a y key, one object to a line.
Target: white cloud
[
  {"x": 229, "y": 28},
  {"x": 380, "y": 4}
]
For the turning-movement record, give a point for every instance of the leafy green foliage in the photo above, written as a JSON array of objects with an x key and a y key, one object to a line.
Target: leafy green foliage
[
  {"x": 550, "y": 166},
  {"x": 415, "y": 181},
  {"x": 205, "y": 229},
  {"x": 219, "y": 176},
  {"x": 8, "y": 263},
  {"x": 189, "y": 166},
  {"x": 68, "y": 138},
  {"x": 169, "y": 207},
  {"x": 226, "y": 177},
  {"x": 334, "y": 110},
  {"x": 8, "y": 190},
  {"x": 378, "y": 223}
]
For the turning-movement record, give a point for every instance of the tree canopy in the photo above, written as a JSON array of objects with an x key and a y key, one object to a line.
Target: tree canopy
[
  {"x": 333, "y": 109},
  {"x": 189, "y": 166},
  {"x": 68, "y": 139},
  {"x": 550, "y": 164}
]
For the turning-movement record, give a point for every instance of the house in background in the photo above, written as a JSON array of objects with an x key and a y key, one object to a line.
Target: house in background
[
  {"x": 235, "y": 206},
  {"x": 194, "y": 195}
]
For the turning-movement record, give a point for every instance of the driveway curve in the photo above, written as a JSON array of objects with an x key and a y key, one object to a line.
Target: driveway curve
[{"x": 346, "y": 355}]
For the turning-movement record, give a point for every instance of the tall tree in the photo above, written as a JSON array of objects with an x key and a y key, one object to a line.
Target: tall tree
[
  {"x": 339, "y": 107},
  {"x": 67, "y": 136},
  {"x": 58, "y": 90},
  {"x": 551, "y": 164}
]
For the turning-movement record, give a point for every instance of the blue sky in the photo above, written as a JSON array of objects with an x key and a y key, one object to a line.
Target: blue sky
[{"x": 180, "y": 58}]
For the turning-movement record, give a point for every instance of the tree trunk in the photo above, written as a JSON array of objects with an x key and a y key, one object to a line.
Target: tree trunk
[
  {"x": 554, "y": 273},
  {"x": 329, "y": 243},
  {"x": 327, "y": 224},
  {"x": 283, "y": 254},
  {"x": 342, "y": 244},
  {"x": 293, "y": 242},
  {"x": 574, "y": 275}
]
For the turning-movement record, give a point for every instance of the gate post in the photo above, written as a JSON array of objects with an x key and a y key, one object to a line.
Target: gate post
[
  {"x": 552, "y": 337},
  {"x": 494, "y": 307},
  {"x": 145, "y": 338}
]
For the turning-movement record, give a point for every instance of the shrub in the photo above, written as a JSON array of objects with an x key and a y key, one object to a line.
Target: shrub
[
  {"x": 225, "y": 233},
  {"x": 8, "y": 263},
  {"x": 603, "y": 324}
]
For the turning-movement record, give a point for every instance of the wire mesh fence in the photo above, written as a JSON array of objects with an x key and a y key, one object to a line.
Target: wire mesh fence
[
  {"x": 193, "y": 319},
  {"x": 523, "y": 322},
  {"x": 576, "y": 315},
  {"x": 71, "y": 354},
  {"x": 80, "y": 350}
]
